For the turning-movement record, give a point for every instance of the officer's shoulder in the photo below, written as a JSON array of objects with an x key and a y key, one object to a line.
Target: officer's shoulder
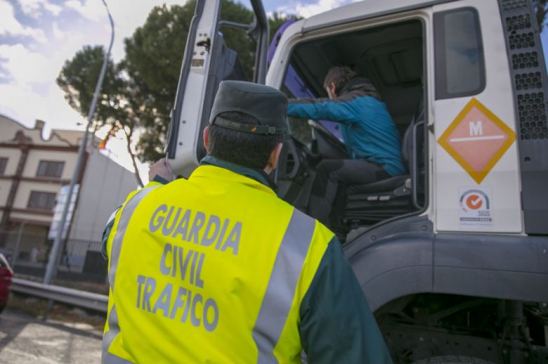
[{"x": 152, "y": 188}]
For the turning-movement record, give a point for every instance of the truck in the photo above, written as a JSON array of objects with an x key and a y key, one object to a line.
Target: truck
[{"x": 453, "y": 255}]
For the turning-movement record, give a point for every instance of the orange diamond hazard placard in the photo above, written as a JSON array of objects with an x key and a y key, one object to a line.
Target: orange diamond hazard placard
[{"x": 477, "y": 139}]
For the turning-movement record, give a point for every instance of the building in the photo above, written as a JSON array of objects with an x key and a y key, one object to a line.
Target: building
[{"x": 32, "y": 171}]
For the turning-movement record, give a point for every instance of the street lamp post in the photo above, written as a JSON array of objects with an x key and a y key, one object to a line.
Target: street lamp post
[{"x": 55, "y": 253}]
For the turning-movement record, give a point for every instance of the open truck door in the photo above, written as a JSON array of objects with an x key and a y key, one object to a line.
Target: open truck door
[{"x": 206, "y": 62}]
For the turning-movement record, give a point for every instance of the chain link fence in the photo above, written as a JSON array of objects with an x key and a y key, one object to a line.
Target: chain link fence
[{"x": 81, "y": 266}]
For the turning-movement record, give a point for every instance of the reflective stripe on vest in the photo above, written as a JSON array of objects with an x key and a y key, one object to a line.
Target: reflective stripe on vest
[
  {"x": 114, "y": 256},
  {"x": 127, "y": 212},
  {"x": 282, "y": 284}
]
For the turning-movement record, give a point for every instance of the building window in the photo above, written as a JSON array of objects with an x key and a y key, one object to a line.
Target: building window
[
  {"x": 42, "y": 200},
  {"x": 50, "y": 169},
  {"x": 3, "y": 164}
]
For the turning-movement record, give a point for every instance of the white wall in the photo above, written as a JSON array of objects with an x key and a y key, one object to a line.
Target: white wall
[{"x": 104, "y": 188}]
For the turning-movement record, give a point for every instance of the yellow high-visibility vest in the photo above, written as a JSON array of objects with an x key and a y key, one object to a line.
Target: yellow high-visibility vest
[{"x": 211, "y": 269}]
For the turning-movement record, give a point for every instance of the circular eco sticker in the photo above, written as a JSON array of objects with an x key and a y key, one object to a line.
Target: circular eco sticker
[
  {"x": 473, "y": 200},
  {"x": 475, "y": 208}
]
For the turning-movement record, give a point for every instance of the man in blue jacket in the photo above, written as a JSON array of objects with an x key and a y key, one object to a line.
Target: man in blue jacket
[{"x": 370, "y": 135}]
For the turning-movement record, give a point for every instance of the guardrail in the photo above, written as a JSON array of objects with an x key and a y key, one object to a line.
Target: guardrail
[{"x": 93, "y": 301}]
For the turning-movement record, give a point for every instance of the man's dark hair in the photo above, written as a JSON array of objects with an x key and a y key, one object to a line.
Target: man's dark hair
[
  {"x": 246, "y": 149},
  {"x": 340, "y": 76}
]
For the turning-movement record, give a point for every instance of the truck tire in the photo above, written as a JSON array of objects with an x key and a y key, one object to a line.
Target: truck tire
[{"x": 452, "y": 359}]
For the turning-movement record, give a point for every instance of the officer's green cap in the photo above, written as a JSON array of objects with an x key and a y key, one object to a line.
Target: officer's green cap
[{"x": 264, "y": 103}]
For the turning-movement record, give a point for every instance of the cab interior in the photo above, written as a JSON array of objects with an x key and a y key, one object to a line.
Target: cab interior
[{"x": 391, "y": 57}]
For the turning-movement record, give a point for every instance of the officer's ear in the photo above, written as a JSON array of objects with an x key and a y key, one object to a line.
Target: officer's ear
[
  {"x": 273, "y": 159},
  {"x": 206, "y": 138}
]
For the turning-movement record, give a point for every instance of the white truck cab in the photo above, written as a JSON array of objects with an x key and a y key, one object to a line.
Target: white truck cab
[{"x": 453, "y": 255}]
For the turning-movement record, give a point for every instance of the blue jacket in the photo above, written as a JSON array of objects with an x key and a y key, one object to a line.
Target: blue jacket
[{"x": 367, "y": 128}]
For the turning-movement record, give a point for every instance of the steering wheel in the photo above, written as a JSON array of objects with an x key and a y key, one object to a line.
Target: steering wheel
[
  {"x": 290, "y": 161},
  {"x": 328, "y": 137}
]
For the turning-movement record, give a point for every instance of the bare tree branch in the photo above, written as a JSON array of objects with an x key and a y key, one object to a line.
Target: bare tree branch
[{"x": 128, "y": 132}]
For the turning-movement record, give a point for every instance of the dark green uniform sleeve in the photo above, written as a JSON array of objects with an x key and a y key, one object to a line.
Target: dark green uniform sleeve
[
  {"x": 337, "y": 325},
  {"x": 106, "y": 234}
]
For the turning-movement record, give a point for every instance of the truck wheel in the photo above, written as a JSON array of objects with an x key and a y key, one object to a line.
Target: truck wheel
[{"x": 452, "y": 359}]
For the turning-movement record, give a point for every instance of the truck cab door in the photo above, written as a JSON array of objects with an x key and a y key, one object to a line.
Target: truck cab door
[
  {"x": 206, "y": 62},
  {"x": 477, "y": 172}
]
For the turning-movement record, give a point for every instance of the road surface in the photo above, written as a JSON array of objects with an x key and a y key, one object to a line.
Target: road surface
[{"x": 24, "y": 339}]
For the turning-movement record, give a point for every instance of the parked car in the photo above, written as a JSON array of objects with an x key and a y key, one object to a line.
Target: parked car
[{"x": 6, "y": 274}]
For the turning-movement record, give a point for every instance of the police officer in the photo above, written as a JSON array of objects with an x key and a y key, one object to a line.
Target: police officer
[{"x": 217, "y": 269}]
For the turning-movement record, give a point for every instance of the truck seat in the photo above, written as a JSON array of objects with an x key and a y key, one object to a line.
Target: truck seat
[{"x": 370, "y": 203}]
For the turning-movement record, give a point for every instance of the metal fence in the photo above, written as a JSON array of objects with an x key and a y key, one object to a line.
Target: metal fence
[{"x": 82, "y": 264}]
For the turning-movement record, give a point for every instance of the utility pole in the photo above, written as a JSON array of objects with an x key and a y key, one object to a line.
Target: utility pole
[{"x": 56, "y": 250}]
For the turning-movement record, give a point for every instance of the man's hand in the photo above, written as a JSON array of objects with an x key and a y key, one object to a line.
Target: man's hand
[{"x": 161, "y": 169}]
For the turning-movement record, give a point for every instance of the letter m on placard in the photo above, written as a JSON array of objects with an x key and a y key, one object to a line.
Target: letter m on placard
[{"x": 475, "y": 128}]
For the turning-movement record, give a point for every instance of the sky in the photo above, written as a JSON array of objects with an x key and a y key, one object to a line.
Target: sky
[{"x": 38, "y": 36}]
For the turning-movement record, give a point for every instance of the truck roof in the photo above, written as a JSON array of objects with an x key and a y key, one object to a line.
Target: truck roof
[{"x": 363, "y": 9}]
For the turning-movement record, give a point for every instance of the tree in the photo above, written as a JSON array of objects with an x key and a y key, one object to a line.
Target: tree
[
  {"x": 542, "y": 11},
  {"x": 114, "y": 107},
  {"x": 276, "y": 20},
  {"x": 139, "y": 92}
]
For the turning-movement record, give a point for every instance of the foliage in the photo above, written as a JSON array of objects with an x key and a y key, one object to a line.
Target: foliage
[
  {"x": 139, "y": 92},
  {"x": 153, "y": 60},
  {"x": 275, "y": 21},
  {"x": 78, "y": 79},
  {"x": 114, "y": 108},
  {"x": 541, "y": 8}
]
